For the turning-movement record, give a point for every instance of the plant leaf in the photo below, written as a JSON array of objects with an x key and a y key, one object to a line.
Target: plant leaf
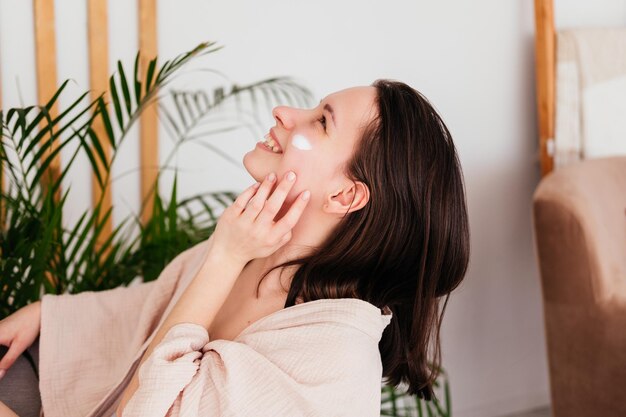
[
  {"x": 136, "y": 80},
  {"x": 125, "y": 89},
  {"x": 116, "y": 102}
]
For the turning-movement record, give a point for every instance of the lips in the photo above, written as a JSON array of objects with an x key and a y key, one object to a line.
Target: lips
[{"x": 273, "y": 135}]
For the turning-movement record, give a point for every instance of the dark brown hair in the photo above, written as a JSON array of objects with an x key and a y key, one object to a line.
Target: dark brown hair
[{"x": 409, "y": 245}]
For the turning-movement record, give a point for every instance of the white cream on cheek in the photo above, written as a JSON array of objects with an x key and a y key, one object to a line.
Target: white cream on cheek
[{"x": 301, "y": 142}]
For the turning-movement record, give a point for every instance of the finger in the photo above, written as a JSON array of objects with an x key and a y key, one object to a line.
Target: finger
[
  {"x": 289, "y": 220},
  {"x": 240, "y": 202},
  {"x": 11, "y": 356},
  {"x": 277, "y": 199},
  {"x": 256, "y": 203}
]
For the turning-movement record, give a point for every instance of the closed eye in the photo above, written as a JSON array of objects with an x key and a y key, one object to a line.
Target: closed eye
[{"x": 322, "y": 120}]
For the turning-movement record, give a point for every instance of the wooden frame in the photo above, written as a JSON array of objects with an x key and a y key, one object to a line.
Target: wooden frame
[
  {"x": 545, "y": 70},
  {"x": 46, "y": 71}
]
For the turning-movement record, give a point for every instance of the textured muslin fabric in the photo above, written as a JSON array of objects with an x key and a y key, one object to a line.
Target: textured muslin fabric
[
  {"x": 590, "y": 94},
  {"x": 315, "y": 358},
  {"x": 318, "y": 358},
  {"x": 91, "y": 342}
]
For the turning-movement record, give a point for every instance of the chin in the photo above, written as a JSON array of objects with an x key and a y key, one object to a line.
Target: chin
[{"x": 256, "y": 167}]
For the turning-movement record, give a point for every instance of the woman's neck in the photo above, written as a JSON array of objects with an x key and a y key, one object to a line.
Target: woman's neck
[{"x": 310, "y": 232}]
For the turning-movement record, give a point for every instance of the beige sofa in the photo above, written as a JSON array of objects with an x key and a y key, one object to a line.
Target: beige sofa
[{"x": 579, "y": 216}]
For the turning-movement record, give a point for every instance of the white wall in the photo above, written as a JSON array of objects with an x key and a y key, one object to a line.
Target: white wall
[{"x": 473, "y": 60}]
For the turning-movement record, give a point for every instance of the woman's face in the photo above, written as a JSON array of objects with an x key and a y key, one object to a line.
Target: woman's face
[{"x": 316, "y": 143}]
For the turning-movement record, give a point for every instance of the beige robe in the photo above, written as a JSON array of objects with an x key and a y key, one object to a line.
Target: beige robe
[{"x": 318, "y": 358}]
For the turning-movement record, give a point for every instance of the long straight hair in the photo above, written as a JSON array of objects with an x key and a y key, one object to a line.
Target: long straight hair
[{"x": 408, "y": 247}]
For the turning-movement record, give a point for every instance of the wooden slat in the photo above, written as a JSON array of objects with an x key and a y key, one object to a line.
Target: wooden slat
[
  {"x": 46, "y": 74},
  {"x": 45, "y": 56},
  {"x": 99, "y": 79},
  {"x": 149, "y": 140},
  {"x": 545, "y": 57}
]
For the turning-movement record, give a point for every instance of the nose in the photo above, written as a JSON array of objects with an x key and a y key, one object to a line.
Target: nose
[{"x": 285, "y": 116}]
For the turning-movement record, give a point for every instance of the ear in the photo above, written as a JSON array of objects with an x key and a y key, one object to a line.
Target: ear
[{"x": 351, "y": 198}]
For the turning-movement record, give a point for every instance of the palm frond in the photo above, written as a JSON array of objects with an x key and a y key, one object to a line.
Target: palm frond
[{"x": 395, "y": 402}]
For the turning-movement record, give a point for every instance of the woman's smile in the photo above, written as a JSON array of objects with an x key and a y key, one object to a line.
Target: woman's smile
[
  {"x": 264, "y": 146},
  {"x": 270, "y": 143}
]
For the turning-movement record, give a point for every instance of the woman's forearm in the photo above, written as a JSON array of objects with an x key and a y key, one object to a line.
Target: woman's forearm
[{"x": 199, "y": 304}]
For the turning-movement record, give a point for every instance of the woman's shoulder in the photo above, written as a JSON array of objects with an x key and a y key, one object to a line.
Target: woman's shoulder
[{"x": 350, "y": 321}]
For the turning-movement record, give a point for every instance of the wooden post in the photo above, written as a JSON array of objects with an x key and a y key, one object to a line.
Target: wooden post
[
  {"x": 46, "y": 74},
  {"x": 99, "y": 79},
  {"x": 545, "y": 66},
  {"x": 45, "y": 58},
  {"x": 149, "y": 140}
]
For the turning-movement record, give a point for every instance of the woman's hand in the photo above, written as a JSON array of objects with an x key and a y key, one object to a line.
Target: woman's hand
[
  {"x": 246, "y": 230},
  {"x": 18, "y": 331}
]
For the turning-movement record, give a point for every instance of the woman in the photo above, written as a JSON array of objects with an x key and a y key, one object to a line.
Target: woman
[{"x": 385, "y": 230}]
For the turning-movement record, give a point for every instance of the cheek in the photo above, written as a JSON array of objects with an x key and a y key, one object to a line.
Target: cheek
[
  {"x": 302, "y": 155},
  {"x": 313, "y": 169},
  {"x": 301, "y": 142}
]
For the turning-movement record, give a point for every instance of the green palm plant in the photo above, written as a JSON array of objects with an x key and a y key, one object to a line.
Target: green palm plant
[
  {"x": 39, "y": 255},
  {"x": 395, "y": 403}
]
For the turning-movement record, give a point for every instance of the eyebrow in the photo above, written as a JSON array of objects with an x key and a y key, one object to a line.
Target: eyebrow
[{"x": 331, "y": 111}]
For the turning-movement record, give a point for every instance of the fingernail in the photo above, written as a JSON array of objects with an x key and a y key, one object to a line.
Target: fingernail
[
  {"x": 291, "y": 175},
  {"x": 271, "y": 177},
  {"x": 306, "y": 195},
  {"x": 2, "y": 372}
]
